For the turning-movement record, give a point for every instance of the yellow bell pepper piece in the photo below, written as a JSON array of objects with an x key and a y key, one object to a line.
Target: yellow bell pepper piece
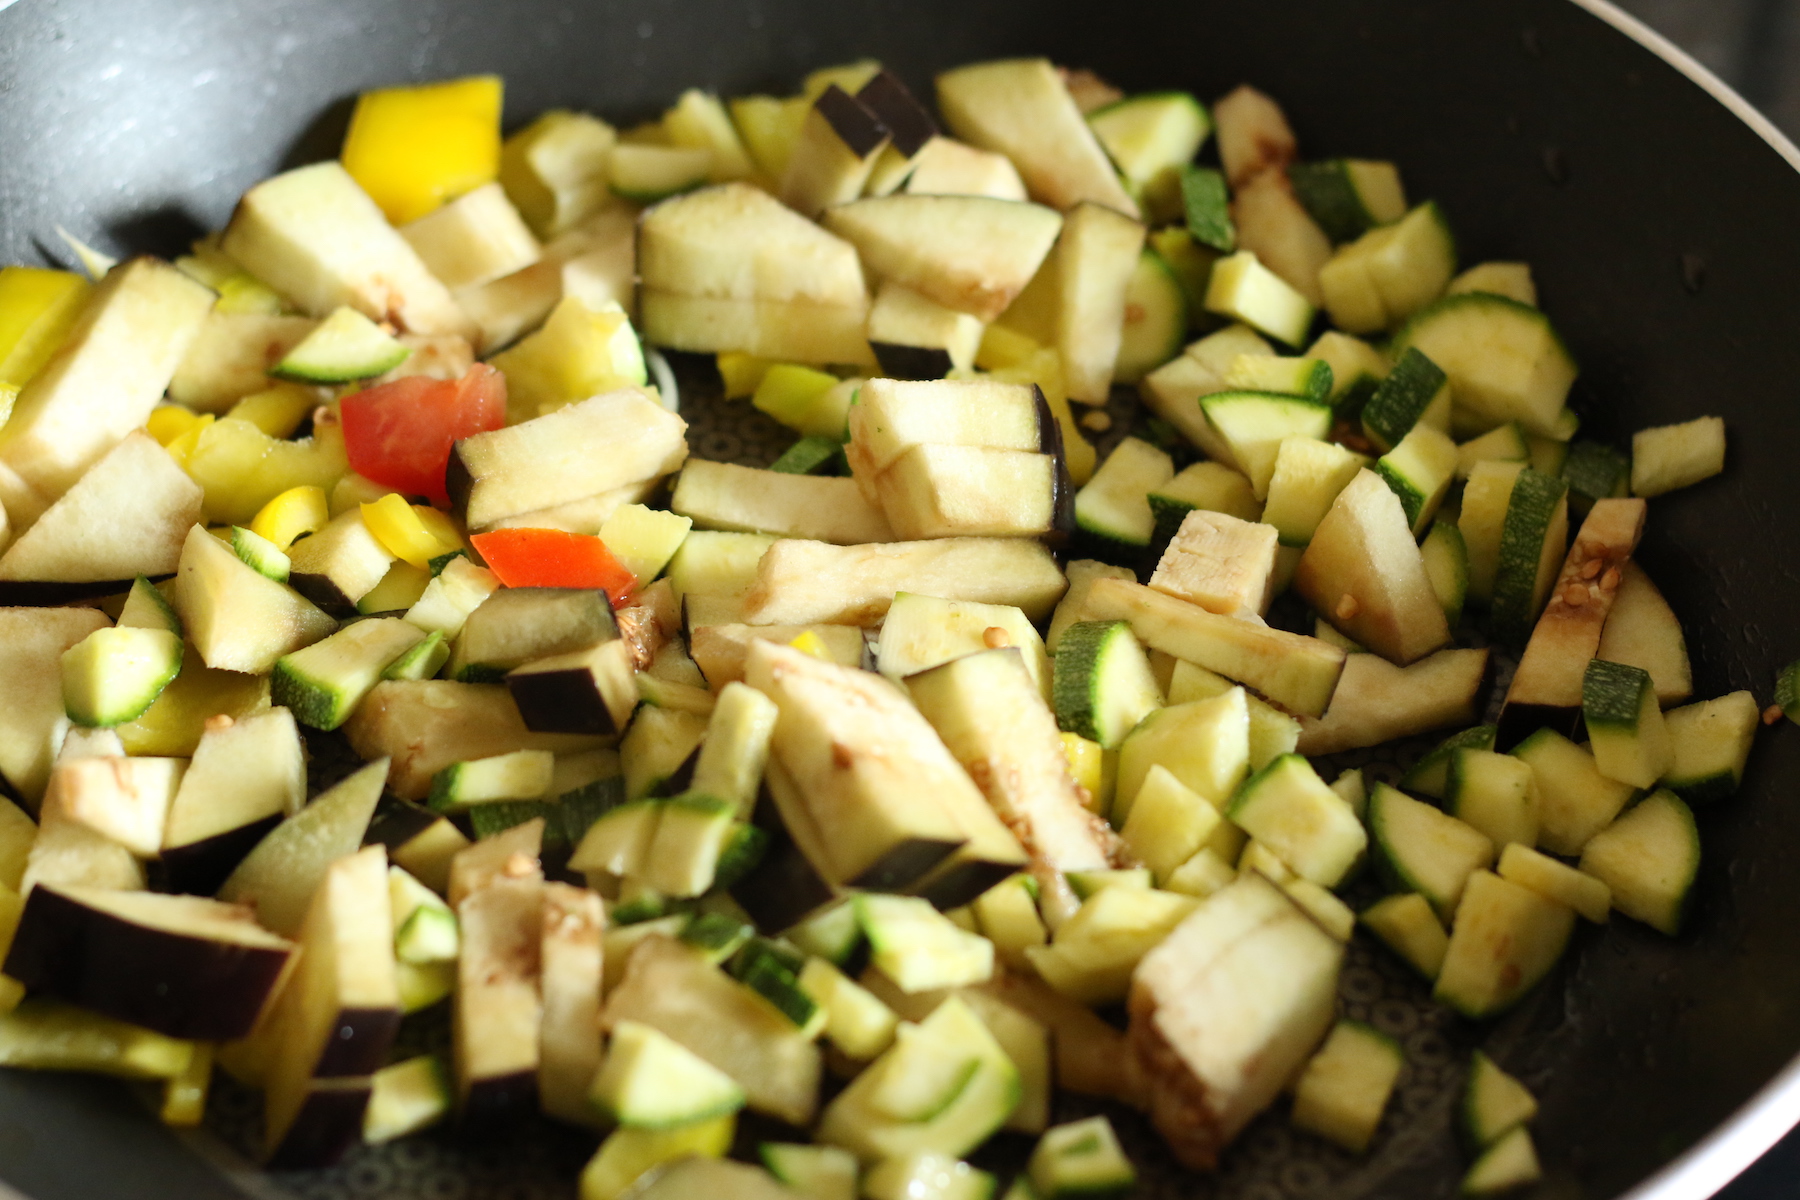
[
  {"x": 413, "y": 148},
  {"x": 279, "y": 410},
  {"x": 37, "y": 309},
  {"x": 181, "y": 446},
  {"x": 398, "y": 590},
  {"x": 1002, "y": 347},
  {"x": 296, "y": 511},
  {"x": 171, "y": 727},
  {"x": 11, "y": 908},
  {"x": 412, "y": 533},
  {"x": 241, "y": 468},
  {"x": 169, "y": 421},
  {"x": 742, "y": 373},
  {"x": 1093, "y": 768}
]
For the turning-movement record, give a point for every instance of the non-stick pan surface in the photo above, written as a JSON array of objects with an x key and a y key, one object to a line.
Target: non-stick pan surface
[{"x": 1661, "y": 230}]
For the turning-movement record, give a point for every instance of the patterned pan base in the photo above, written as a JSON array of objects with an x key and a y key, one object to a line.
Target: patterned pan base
[{"x": 1271, "y": 1161}]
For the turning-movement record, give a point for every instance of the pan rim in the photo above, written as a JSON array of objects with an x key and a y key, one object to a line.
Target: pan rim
[{"x": 1774, "y": 1111}]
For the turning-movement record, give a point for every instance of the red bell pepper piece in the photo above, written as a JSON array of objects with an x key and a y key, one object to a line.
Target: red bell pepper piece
[
  {"x": 400, "y": 433},
  {"x": 553, "y": 558}
]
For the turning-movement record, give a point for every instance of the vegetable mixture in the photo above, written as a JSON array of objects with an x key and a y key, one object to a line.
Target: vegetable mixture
[{"x": 882, "y": 792}]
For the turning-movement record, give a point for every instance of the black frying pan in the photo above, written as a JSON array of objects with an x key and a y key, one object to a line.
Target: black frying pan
[{"x": 1661, "y": 228}]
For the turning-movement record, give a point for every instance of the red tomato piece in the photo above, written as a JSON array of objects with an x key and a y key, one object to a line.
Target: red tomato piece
[
  {"x": 553, "y": 558},
  {"x": 400, "y": 433}
]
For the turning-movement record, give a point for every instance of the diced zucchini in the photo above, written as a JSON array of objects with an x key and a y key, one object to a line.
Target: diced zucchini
[
  {"x": 1555, "y": 880},
  {"x": 1430, "y": 775},
  {"x": 1595, "y": 471},
  {"x": 1151, "y": 136},
  {"x": 716, "y": 935},
  {"x": 918, "y": 947},
  {"x": 1307, "y": 378},
  {"x": 1206, "y": 208},
  {"x": 1509, "y": 279},
  {"x": 1504, "y": 360},
  {"x": 405, "y": 1098},
  {"x": 1503, "y": 443},
  {"x": 1345, "y": 1087},
  {"x": 1626, "y": 732},
  {"x": 1243, "y": 289},
  {"x": 1253, "y": 425},
  {"x": 1207, "y": 485},
  {"x": 817, "y": 1172},
  {"x": 1507, "y": 1165},
  {"x": 628, "y": 1155},
  {"x": 1676, "y": 456},
  {"x": 692, "y": 839},
  {"x": 1482, "y": 522},
  {"x": 1156, "y": 319},
  {"x": 147, "y": 608},
  {"x": 113, "y": 675},
  {"x": 833, "y": 935},
  {"x": 1493, "y": 1103},
  {"x": 425, "y": 928},
  {"x": 856, "y": 1020},
  {"x": 260, "y": 554},
  {"x": 1649, "y": 858},
  {"x": 1533, "y": 541},
  {"x": 520, "y": 775},
  {"x": 1389, "y": 273},
  {"x": 1415, "y": 392},
  {"x": 1505, "y": 939},
  {"x": 1308, "y": 475},
  {"x": 344, "y": 346},
  {"x": 1169, "y": 823},
  {"x": 1447, "y": 564},
  {"x": 1411, "y": 929},
  {"x": 1348, "y": 196},
  {"x": 1357, "y": 369},
  {"x": 1710, "y": 743},
  {"x": 644, "y": 539},
  {"x": 923, "y": 1078},
  {"x": 1423, "y": 850},
  {"x": 772, "y": 971},
  {"x": 325, "y": 682},
  {"x": 1203, "y": 744},
  {"x": 617, "y": 842},
  {"x": 811, "y": 455},
  {"x": 1114, "y": 505},
  {"x": 1102, "y": 685},
  {"x": 1008, "y": 916},
  {"x": 1287, "y": 807},
  {"x": 1494, "y": 793},
  {"x": 1419, "y": 470},
  {"x": 927, "y": 1176},
  {"x": 981, "y": 1106},
  {"x": 1575, "y": 801},
  {"x": 1088, "y": 884},
  {"x": 650, "y": 1081},
  {"x": 426, "y": 658},
  {"x": 1081, "y": 1158}
]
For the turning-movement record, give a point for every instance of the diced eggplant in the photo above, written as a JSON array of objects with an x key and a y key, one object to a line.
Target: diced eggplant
[
  {"x": 281, "y": 875},
  {"x": 499, "y": 1009},
  {"x": 339, "y": 565},
  {"x": 514, "y": 626},
  {"x": 802, "y": 582},
  {"x": 419, "y": 841},
  {"x": 112, "y": 369},
  {"x": 127, "y": 516},
  {"x": 335, "y": 1021},
  {"x": 1376, "y": 701},
  {"x": 32, "y": 642},
  {"x": 570, "y": 978},
  {"x": 237, "y": 619},
  {"x": 245, "y": 776},
  {"x": 589, "y": 691},
  {"x": 974, "y": 254},
  {"x": 1546, "y": 688},
  {"x": 427, "y": 724},
  {"x": 125, "y": 799},
  {"x": 1217, "y": 1026},
  {"x": 836, "y": 148},
  {"x": 514, "y": 853},
  {"x": 731, "y": 497},
  {"x": 594, "y": 446},
  {"x": 674, "y": 989},
  {"x": 185, "y": 966},
  {"x": 317, "y": 238}
]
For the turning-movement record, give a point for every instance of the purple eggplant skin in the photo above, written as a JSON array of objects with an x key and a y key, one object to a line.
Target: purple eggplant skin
[
  {"x": 499, "y": 1100},
  {"x": 201, "y": 868},
  {"x": 912, "y": 362},
  {"x": 183, "y": 985},
  {"x": 567, "y": 701},
  {"x": 360, "y": 1041},
  {"x": 329, "y": 1122}
]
